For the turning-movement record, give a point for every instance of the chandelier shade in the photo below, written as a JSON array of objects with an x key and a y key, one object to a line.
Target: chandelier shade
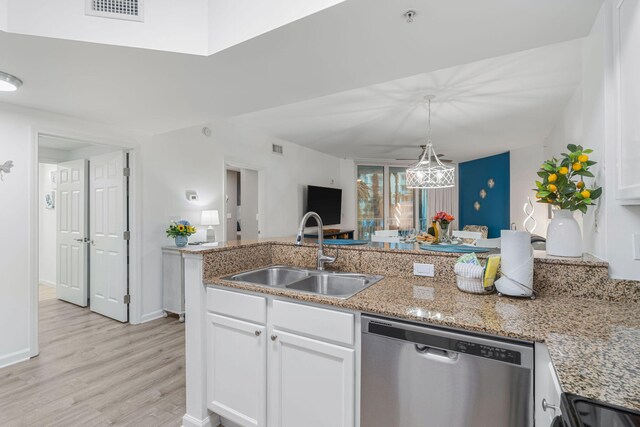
[{"x": 430, "y": 172}]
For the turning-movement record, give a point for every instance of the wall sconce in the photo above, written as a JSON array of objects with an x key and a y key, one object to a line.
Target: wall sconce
[
  {"x": 476, "y": 205},
  {"x": 483, "y": 193},
  {"x": 191, "y": 195},
  {"x": 491, "y": 183},
  {"x": 5, "y": 168}
]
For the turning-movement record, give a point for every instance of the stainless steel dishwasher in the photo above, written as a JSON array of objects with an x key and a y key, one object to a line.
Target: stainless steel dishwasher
[{"x": 421, "y": 376}]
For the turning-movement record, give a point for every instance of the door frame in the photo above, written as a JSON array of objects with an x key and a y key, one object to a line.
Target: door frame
[
  {"x": 262, "y": 194},
  {"x": 135, "y": 222}
]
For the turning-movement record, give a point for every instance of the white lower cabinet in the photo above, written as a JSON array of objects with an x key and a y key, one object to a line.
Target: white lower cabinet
[
  {"x": 310, "y": 356},
  {"x": 312, "y": 382},
  {"x": 237, "y": 370},
  {"x": 547, "y": 388}
]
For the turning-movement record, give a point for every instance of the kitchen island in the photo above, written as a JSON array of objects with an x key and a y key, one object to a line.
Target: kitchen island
[{"x": 588, "y": 322}]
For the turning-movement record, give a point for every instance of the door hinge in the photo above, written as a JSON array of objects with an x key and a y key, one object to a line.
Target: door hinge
[
  {"x": 126, "y": 171},
  {"x": 126, "y": 235},
  {"x": 127, "y": 299}
]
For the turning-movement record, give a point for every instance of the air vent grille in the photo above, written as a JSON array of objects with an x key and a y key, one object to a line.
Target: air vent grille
[
  {"x": 119, "y": 9},
  {"x": 277, "y": 149}
]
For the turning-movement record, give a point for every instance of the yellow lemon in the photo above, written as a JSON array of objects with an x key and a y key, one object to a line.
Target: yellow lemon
[
  {"x": 577, "y": 166},
  {"x": 563, "y": 171},
  {"x": 580, "y": 184},
  {"x": 583, "y": 158},
  {"x": 553, "y": 177},
  {"x": 552, "y": 188},
  {"x": 585, "y": 193}
]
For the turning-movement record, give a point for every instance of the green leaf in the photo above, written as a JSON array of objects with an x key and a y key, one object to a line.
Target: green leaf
[
  {"x": 583, "y": 208},
  {"x": 583, "y": 172},
  {"x": 543, "y": 193},
  {"x": 596, "y": 193},
  {"x": 590, "y": 163},
  {"x": 587, "y": 151},
  {"x": 542, "y": 174},
  {"x": 572, "y": 147},
  {"x": 548, "y": 167},
  {"x": 587, "y": 200}
]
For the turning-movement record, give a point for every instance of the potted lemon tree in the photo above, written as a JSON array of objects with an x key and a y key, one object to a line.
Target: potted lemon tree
[{"x": 562, "y": 185}]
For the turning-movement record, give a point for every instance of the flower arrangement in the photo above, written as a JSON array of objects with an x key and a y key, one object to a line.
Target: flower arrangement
[
  {"x": 563, "y": 183},
  {"x": 180, "y": 228},
  {"x": 443, "y": 218}
]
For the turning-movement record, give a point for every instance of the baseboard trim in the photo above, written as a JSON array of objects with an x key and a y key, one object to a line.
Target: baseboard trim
[
  {"x": 47, "y": 283},
  {"x": 15, "y": 357},
  {"x": 211, "y": 421},
  {"x": 148, "y": 317}
]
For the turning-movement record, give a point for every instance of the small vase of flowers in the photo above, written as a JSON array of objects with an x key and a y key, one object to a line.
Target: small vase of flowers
[
  {"x": 442, "y": 221},
  {"x": 180, "y": 231},
  {"x": 562, "y": 185}
]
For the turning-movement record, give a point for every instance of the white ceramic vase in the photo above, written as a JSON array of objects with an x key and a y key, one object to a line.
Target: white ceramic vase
[{"x": 564, "y": 237}]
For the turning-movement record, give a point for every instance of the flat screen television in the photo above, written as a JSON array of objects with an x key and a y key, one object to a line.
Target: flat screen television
[{"x": 326, "y": 202}]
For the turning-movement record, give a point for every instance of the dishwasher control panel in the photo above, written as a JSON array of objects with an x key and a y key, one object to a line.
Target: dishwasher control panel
[{"x": 488, "y": 351}]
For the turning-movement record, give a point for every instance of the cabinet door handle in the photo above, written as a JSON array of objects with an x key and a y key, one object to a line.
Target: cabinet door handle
[
  {"x": 274, "y": 337},
  {"x": 546, "y": 405},
  {"x": 258, "y": 333}
]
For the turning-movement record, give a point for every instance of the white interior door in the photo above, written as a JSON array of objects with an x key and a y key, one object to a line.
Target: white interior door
[
  {"x": 107, "y": 209},
  {"x": 71, "y": 233},
  {"x": 249, "y": 202}
]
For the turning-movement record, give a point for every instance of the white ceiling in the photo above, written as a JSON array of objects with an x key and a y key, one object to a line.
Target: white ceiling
[
  {"x": 482, "y": 108},
  {"x": 352, "y": 45}
]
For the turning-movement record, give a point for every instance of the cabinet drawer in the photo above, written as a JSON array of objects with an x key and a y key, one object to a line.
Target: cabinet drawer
[
  {"x": 314, "y": 322},
  {"x": 238, "y": 305}
]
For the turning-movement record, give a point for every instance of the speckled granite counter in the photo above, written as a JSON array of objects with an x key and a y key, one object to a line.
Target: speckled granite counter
[{"x": 594, "y": 344}]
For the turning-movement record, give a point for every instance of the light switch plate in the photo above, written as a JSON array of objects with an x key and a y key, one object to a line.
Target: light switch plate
[
  {"x": 636, "y": 246},
  {"x": 427, "y": 270}
]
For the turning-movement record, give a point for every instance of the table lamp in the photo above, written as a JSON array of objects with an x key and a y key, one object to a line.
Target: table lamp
[{"x": 210, "y": 218}]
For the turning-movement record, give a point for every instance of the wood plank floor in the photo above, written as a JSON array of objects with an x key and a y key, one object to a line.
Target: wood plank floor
[
  {"x": 94, "y": 371},
  {"x": 46, "y": 292}
]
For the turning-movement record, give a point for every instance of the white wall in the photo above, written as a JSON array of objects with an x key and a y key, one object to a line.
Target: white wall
[
  {"x": 46, "y": 227},
  {"x": 19, "y": 191},
  {"x": 232, "y": 22},
  {"x": 169, "y": 25},
  {"x": 524, "y": 163},
  {"x": 588, "y": 119},
  {"x": 188, "y": 160}
]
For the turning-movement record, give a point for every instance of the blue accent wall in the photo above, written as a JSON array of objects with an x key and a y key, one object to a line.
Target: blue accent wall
[{"x": 494, "y": 208}]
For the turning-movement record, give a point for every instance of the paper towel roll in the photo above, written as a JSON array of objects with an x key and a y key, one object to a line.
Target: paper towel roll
[{"x": 517, "y": 264}]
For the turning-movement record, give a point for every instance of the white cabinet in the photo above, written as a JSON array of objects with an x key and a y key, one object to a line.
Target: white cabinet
[
  {"x": 547, "y": 388},
  {"x": 626, "y": 67},
  {"x": 236, "y": 370},
  {"x": 173, "y": 281},
  {"x": 312, "y": 382}
]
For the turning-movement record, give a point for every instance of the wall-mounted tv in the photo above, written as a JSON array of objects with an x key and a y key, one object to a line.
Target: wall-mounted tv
[{"x": 326, "y": 202}]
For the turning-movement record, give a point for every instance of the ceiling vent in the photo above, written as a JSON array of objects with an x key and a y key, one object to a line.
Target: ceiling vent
[
  {"x": 277, "y": 149},
  {"x": 131, "y": 10}
]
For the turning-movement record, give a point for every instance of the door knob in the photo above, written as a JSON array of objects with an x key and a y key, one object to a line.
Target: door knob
[
  {"x": 274, "y": 337},
  {"x": 258, "y": 333}
]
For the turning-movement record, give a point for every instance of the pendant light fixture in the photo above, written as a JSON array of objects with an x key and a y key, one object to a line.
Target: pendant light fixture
[
  {"x": 430, "y": 172},
  {"x": 9, "y": 83}
]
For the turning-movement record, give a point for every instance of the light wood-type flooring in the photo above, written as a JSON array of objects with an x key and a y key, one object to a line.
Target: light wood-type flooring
[
  {"x": 94, "y": 371},
  {"x": 46, "y": 292}
]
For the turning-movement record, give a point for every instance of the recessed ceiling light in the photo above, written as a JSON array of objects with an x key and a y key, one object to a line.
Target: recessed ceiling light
[{"x": 9, "y": 83}]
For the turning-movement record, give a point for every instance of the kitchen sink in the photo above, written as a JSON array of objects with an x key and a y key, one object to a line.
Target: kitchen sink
[
  {"x": 271, "y": 276},
  {"x": 332, "y": 284},
  {"x": 327, "y": 283}
]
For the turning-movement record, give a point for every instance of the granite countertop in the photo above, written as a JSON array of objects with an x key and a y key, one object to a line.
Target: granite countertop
[{"x": 594, "y": 345}]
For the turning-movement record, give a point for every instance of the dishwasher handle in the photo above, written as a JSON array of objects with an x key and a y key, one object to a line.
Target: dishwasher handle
[{"x": 436, "y": 353}]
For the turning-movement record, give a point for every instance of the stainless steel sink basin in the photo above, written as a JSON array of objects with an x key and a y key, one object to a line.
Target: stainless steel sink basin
[
  {"x": 334, "y": 285},
  {"x": 326, "y": 283},
  {"x": 271, "y": 276}
]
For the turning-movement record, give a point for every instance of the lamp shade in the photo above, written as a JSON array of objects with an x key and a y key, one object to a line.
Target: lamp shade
[{"x": 210, "y": 217}]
